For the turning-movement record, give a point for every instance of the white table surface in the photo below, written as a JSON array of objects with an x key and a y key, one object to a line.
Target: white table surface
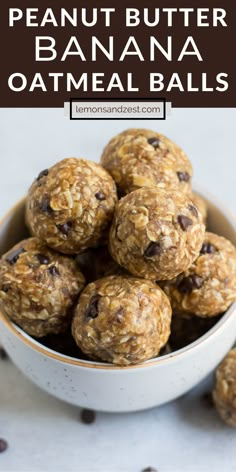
[{"x": 44, "y": 434}]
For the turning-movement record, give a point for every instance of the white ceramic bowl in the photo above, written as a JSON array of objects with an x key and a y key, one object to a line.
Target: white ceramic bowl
[{"x": 106, "y": 387}]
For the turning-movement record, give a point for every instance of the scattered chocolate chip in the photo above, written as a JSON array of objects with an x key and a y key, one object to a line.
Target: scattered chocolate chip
[
  {"x": 92, "y": 310},
  {"x": 190, "y": 283},
  {"x": 100, "y": 196},
  {"x": 42, "y": 258},
  {"x": 155, "y": 142},
  {"x": 3, "y": 445},
  {"x": 3, "y": 354},
  {"x": 53, "y": 270},
  {"x": 43, "y": 173},
  {"x": 14, "y": 255},
  {"x": 184, "y": 222},
  {"x": 153, "y": 249},
  {"x": 45, "y": 205},
  {"x": 208, "y": 248},
  {"x": 87, "y": 416},
  {"x": 183, "y": 176},
  {"x": 65, "y": 228},
  {"x": 149, "y": 469},
  {"x": 193, "y": 210},
  {"x": 207, "y": 400}
]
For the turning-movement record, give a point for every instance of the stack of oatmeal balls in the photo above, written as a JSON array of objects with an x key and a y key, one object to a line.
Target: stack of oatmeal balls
[{"x": 119, "y": 255}]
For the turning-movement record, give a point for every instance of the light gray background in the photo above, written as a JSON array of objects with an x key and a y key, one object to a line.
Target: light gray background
[{"x": 44, "y": 434}]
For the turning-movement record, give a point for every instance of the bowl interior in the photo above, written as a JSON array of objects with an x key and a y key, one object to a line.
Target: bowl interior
[{"x": 13, "y": 229}]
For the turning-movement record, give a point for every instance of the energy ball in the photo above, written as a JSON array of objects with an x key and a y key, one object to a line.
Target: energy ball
[
  {"x": 97, "y": 263},
  {"x": 208, "y": 287},
  {"x": 201, "y": 205},
  {"x": 224, "y": 393},
  {"x": 122, "y": 320},
  {"x": 70, "y": 205},
  {"x": 143, "y": 158},
  {"x": 156, "y": 234},
  {"x": 38, "y": 287}
]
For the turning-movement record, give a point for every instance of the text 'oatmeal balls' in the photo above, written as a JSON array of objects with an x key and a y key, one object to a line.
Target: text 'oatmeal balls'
[
  {"x": 143, "y": 158},
  {"x": 123, "y": 320},
  {"x": 208, "y": 287},
  {"x": 224, "y": 393},
  {"x": 70, "y": 205},
  {"x": 156, "y": 234},
  {"x": 38, "y": 287}
]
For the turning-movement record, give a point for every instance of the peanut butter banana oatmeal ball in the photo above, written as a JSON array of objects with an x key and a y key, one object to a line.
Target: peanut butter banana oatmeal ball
[
  {"x": 156, "y": 234},
  {"x": 38, "y": 287},
  {"x": 70, "y": 205},
  {"x": 208, "y": 287},
  {"x": 143, "y": 158},
  {"x": 201, "y": 205},
  {"x": 224, "y": 393},
  {"x": 123, "y": 320}
]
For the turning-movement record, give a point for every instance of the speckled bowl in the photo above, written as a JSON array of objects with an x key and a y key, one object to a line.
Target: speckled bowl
[{"x": 106, "y": 387}]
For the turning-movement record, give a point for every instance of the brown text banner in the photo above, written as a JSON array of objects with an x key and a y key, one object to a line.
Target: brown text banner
[{"x": 182, "y": 50}]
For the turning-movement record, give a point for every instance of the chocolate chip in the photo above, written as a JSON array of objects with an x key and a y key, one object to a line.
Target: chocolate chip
[
  {"x": 207, "y": 400},
  {"x": 45, "y": 205},
  {"x": 35, "y": 307},
  {"x": 208, "y": 248},
  {"x": 3, "y": 354},
  {"x": 153, "y": 249},
  {"x": 43, "y": 173},
  {"x": 183, "y": 176},
  {"x": 184, "y": 222},
  {"x": 92, "y": 310},
  {"x": 149, "y": 469},
  {"x": 5, "y": 288},
  {"x": 14, "y": 255},
  {"x": 65, "y": 228},
  {"x": 87, "y": 416},
  {"x": 100, "y": 196},
  {"x": 193, "y": 210},
  {"x": 155, "y": 142},
  {"x": 3, "y": 445},
  {"x": 190, "y": 283},
  {"x": 53, "y": 271},
  {"x": 42, "y": 258}
]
